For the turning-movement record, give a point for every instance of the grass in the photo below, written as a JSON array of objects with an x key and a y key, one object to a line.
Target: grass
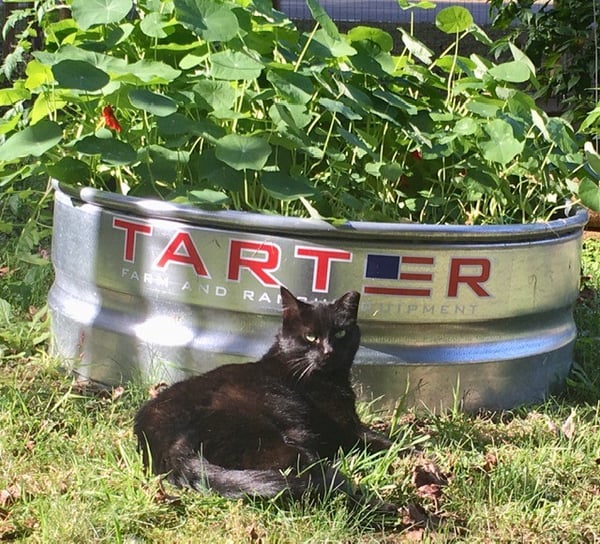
[{"x": 69, "y": 471}]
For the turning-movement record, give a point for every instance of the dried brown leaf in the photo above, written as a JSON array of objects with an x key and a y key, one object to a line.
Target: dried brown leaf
[
  {"x": 490, "y": 462},
  {"x": 253, "y": 535},
  {"x": 414, "y": 515},
  {"x": 552, "y": 427},
  {"x": 10, "y": 495},
  {"x": 428, "y": 473},
  {"x": 568, "y": 428},
  {"x": 117, "y": 392},
  {"x": 154, "y": 391},
  {"x": 162, "y": 497}
]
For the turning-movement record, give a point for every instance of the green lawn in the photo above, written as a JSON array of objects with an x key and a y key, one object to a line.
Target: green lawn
[{"x": 69, "y": 471}]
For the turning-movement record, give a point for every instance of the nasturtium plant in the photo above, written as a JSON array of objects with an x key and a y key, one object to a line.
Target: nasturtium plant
[{"x": 226, "y": 104}]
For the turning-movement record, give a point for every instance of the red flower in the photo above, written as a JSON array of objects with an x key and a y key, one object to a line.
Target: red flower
[
  {"x": 416, "y": 154},
  {"x": 109, "y": 118}
]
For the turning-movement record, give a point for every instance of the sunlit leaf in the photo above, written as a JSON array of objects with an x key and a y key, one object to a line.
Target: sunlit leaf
[
  {"x": 589, "y": 193},
  {"x": 376, "y": 35},
  {"x": 514, "y": 72},
  {"x": 320, "y": 15},
  {"x": 34, "y": 140},
  {"x": 454, "y": 19},
  {"x": 234, "y": 65},
  {"x": 294, "y": 87},
  {"x": 213, "y": 21},
  {"x": 416, "y": 48},
  {"x": 218, "y": 95},
  {"x": 8, "y": 97},
  {"x": 152, "y": 25},
  {"x": 502, "y": 146},
  {"x": 88, "y": 13}
]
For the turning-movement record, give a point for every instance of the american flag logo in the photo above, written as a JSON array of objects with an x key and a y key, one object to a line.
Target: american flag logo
[{"x": 391, "y": 267}]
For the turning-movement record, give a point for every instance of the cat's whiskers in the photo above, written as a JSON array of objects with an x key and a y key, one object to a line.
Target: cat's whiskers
[{"x": 301, "y": 368}]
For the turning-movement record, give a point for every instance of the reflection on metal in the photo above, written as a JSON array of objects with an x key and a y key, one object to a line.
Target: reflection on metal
[{"x": 153, "y": 290}]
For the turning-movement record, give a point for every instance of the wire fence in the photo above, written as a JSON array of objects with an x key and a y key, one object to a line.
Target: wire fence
[{"x": 388, "y": 11}]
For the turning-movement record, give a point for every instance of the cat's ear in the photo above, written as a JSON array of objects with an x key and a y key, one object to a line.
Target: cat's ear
[
  {"x": 348, "y": 303},
  {"x": 289, "y": 303}
]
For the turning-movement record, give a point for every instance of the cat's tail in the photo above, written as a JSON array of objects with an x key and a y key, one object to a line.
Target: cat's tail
[{"x": 319, "y": 479}]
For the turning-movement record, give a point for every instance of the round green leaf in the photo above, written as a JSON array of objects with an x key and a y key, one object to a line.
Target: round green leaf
[
  {"x": 208, "y": 196},
  {"x": 593, "y": 159},
  {"x": 589, "y": 193},
  {"x": 502, "y": 146},
  {"x": 466, "y": 126},
  {"x": 70, "y": 170},
  {"x": 79, "y": 74},
  {"x": 111, "y": 151},
  {"x": 294, "y": 87},
  {"x": 34, "y": 140},
  {"x": 175, "y": 124},
  {"x": 454, "y": 19},
  {"x": 219, "y": 95},
  {"x": 242, "y": 152},
  {"x": 284, "y": 187},
  {"x": 339, "y": 107},
  {"x": 514, "y": 72},
  {"x": 157, "y": 104},
  {"x": 88, "y": 13},
  {"x": 234, "y": 65},
  {"x": 152, "y": 25},
  {"x": 376, "y": 35},
  {"x": 212, "y": 21}
]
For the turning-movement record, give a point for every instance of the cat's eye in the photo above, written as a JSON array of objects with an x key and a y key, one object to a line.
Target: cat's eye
[
  {"x": 340, "y": 334},
  {"x": 311, "y": 338}
]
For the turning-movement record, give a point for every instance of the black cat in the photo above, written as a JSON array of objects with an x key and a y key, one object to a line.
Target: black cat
[{"x": 271, "y": 427}]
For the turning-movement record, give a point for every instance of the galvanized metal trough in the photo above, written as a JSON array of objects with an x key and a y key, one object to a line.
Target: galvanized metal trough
[{"x": 476, "y": 315}]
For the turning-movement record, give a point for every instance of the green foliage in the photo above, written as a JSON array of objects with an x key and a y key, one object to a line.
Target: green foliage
[
  {"x": 226, "y": 104},
  {"x": 562, "y": 41}
]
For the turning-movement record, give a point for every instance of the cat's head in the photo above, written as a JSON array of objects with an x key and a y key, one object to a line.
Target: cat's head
[{"x": 322, "y": 337}]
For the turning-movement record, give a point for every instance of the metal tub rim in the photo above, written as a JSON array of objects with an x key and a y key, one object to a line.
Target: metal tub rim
[{"x": 313, "y": 228}]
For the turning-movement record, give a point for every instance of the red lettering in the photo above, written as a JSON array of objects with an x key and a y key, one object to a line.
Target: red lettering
[
  {"x": 131, "y": 229},
  {"x": 259, "y": 258},
  {"x": 190, "y": 255},
  {"x": 480, "y": 269},
  {"x": 322, "y": 269}
]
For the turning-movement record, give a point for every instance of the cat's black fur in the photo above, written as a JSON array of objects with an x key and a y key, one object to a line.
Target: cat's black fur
[{"x": 269, "y": 427}]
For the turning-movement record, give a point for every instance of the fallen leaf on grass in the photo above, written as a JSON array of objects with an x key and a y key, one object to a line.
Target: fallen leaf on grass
[
  {"x": 117, "y": 392},
  {"x": 10, "y": 495},
  {"x": 416, "y": 517},
  {"x": 429, "y": 481},
  {"x": 253, "y": 535},
  {"x": 156, "y": 389},
  {"x": 568, "y": 427},
  {"x": 490, "y": 462},
  {"x": 162, "y": 497}
]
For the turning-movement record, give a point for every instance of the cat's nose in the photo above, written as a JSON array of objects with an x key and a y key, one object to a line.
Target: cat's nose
[{"x": 326, "y": 347}]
